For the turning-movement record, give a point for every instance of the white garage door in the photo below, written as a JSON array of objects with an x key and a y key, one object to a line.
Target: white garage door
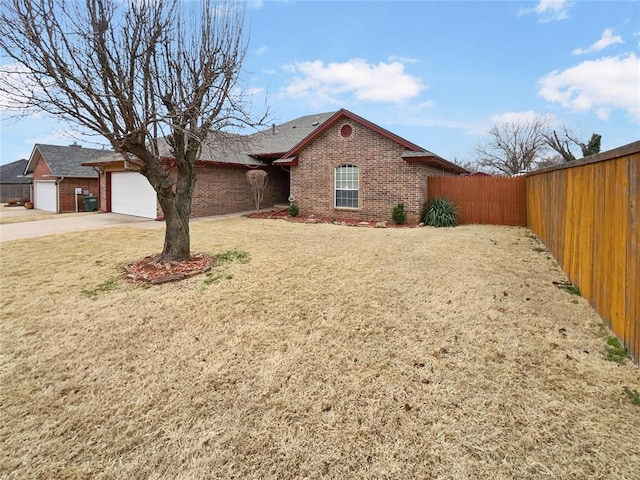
[
  {"x": 46, "y": 197},
  {"x": 132, "y": 194}
]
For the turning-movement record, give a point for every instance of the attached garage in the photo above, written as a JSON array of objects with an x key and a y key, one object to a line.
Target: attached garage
[
  {"x": 46, "y": 196},
  {"x": 132, "y": 194}
]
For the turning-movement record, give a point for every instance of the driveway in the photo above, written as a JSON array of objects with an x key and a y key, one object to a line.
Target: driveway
[
  {"x": 91, "y": 221},
  {"x": 40, "y": 228}
]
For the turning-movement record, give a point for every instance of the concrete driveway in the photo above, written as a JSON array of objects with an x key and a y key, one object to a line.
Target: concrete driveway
[
  {"x": 40, "y": 228},
  {"x": 90, "y": 221}
]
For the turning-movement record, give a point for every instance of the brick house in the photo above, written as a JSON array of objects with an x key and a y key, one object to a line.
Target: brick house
[
  {"x": 336, "y": 165},
  {"x": 350, "y": 168},
  {"x": 57, "y": 172}
]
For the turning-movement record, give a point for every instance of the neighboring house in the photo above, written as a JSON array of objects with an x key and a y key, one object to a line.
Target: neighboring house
[
  {"x": 13, "y": 186},
  {"x": 57, "y": 173},
  {"x": 335, "y": 165}
]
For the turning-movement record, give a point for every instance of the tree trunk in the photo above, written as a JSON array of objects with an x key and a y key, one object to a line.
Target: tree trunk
[
  {"x": 177, "y": 240},
  {"x": 176, "y": 207},
  {"x": 174, "y": 199}
]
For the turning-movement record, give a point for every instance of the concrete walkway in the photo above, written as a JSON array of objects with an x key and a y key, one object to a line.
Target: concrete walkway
[{"x": 79, "y": 223}]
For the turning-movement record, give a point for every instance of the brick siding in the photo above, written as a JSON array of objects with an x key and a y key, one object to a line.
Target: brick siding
[
  {"x": 67, "y": 195},
  {"x": 221, "y": 190},
  {"x": 385, "y": 179}
]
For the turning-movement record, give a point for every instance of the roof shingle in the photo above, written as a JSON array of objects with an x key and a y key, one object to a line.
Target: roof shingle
[
  {"x": 12, "y": 172},
  {"x": 66, "y": 161}
]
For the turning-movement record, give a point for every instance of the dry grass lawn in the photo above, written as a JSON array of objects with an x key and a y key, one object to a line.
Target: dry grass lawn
[
  {"x": 335, "y": 352},
  {"x": 21, "y": 214}
]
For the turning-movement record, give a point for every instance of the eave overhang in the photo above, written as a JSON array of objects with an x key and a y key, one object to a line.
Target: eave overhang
[
  {"x": 287, "y": 162},
  {"x": 433, "y": 160}
]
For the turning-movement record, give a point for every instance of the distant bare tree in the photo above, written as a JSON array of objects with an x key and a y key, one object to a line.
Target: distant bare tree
[
  {"x": 514, "y": 146},
  {"x": 564, "y": 142},
  {"x": 469, "y": 165},
  {"x": 134, "y": 72},
  {"x": 257, "y": 182}
]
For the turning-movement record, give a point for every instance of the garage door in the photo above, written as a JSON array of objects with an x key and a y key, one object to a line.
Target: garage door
[
  {"x": 46, "y": 197},
  {"x": 132, "y": 194}
]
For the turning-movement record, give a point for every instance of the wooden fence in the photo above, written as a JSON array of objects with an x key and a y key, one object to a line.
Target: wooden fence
[
  {"x": 586, "y": 213},
  {"x": 484, "y": 200},
  {"x": 15, "y": 191}
]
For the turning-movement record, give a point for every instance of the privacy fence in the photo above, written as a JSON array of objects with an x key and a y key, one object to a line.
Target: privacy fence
[
  {"x": 587, "y": 214},
  {"x": 483, "y": 200}
]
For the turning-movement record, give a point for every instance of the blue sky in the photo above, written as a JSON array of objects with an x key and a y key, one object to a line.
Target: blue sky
[{"x": 439, "y": 74}]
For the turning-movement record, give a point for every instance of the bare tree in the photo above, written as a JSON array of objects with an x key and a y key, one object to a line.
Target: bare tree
[
  {"x": 257, "y": 182},
  {"x": 133, "y": 72},
  {"x": 514, "y": 146},
  {"x": 564, "y": 143}
]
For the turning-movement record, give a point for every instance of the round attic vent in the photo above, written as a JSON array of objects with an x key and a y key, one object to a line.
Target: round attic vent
[{"x": 346, "y": 131}]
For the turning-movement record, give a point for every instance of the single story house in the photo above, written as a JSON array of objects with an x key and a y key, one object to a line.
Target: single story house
[
  {"x": 60, "y": 180},
  {"x": 334, "y": 165},
  {"x": 13, "y": 185}
]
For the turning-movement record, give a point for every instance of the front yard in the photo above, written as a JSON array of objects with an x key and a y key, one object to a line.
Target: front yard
[
  {"x": 20, "y": 214},
  {"x": 333, "y": 352}
]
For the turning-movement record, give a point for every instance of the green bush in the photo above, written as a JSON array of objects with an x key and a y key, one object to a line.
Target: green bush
[
  {"x": 399, "y": 215},
  {"x": 440, "y": 212},
  {"x": 293, "y": 210}
]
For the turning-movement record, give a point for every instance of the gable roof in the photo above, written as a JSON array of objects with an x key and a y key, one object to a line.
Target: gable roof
[
  {"x": 66, "y": 161},
  {"x": 282, "y": 138},
  {"x": 253, "y": 149},
  {"x": 414, "y": 153},
  {"x": 280, "y": 144},
  {"x": 12, "y": 172}
]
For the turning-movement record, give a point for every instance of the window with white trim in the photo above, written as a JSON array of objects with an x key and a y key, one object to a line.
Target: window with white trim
[{"x": 347, "y": 185}]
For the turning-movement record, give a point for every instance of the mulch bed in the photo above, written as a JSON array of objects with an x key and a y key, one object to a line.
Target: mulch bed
[
  {"x": 351, "y": 222},
  {"x": 152, "y": 270}
]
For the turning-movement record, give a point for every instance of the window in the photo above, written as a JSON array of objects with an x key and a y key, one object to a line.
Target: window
[
  {"x": 347, "y": 186},
  {"x": 346, "y": 131}
]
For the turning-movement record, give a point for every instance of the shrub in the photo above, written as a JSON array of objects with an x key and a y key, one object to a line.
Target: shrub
[
  {"x": 399, "y": 215},
  {"x": 293, "y": 210},
  {"x": 440, "y": 212},
  {"x": 258, "y": 183}
]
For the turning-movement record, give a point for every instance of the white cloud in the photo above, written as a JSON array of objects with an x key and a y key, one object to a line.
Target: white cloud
[
  {"x": 606, "y": 40},
  {"x": 396, "y": 58},
  {"x": 423, "y": 105},
  {"x": 255, "y": 91},
  {"x": 549, "y": 10},
  {"x": 15, "y": 87},
  {"x": 519, "y": 118},
  {"x": 262, "y": 50},
  {"x": 384, "y": 82},
  {"x": 602, "y": 85}
]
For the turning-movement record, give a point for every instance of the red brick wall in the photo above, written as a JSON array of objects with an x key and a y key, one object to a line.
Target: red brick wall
[
  {"x": 67, "y": 196},
  {"x": 41, "y": 169},
  {"x": 102, "y": 198},
  {"x": 385, "y": 178},
  {"x": 221, "y": 190}
]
